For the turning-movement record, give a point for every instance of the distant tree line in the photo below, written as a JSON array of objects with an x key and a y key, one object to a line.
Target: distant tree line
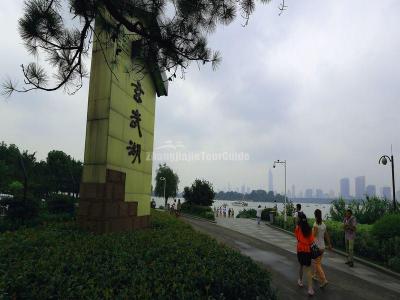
[
  {"x": 58, "y": 173},
  {"x": 255, "y": 195}
]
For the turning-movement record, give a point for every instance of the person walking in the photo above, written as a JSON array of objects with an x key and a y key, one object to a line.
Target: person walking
[
  {"x": 233, "y": 213},
  {"x": 305, "y": 239},
  {"x": 320, "y": 235},
  {"x": 296, "y": 213},
  {"x": 178, "y": 208},
  {"x": 258, "y": 215},
  {"x": 173, "y": 206},
  {"x": 229, "y": 213},
  {"x": 349, "y": 226}
]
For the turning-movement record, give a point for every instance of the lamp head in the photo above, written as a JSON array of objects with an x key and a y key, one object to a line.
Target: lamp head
[{"x": 384, "y": 160}]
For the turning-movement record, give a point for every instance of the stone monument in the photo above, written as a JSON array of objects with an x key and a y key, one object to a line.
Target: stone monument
[{"x": 115, "y": 191}]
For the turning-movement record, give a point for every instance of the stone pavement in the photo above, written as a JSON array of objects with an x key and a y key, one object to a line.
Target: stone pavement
[{"x": 287, "y": 242}]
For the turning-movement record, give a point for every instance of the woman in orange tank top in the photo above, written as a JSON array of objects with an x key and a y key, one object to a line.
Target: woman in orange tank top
[{"x": 304, "y": 238}]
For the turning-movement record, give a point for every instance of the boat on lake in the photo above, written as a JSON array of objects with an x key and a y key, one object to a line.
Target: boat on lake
[{"x": 240, "y": 203}]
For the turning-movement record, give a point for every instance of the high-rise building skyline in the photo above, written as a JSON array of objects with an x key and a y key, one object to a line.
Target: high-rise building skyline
[
  {"x": 386, "y": 192},
  {"x": 359, "y": 187},
  {"x": 293, "y": 191},
  {"x": 243, "y": 189},
  {"x": 370, "y": 190},
  {"x": 319, "y": 193},
  {"x": 308, "y": 193},
  {"x": 344, "y": 188},
  {"x": 270, "y": 181}
]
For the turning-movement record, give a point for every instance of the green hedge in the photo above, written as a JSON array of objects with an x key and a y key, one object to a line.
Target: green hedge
[
  {"x": 61, "y": 204},
  {"x": 198, "y": 210},
  {"x": 252, "y": 213},
  {"x": 247, "y": 213},
  {"x": 367, "y": 245},
  {"x": 266, "y": 212},
  {"x": 20, "y": 209},
  {"x": 168, "y": 261}
]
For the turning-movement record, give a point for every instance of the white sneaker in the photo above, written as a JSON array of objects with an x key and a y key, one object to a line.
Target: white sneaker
[{"x": 300, "y": 283}]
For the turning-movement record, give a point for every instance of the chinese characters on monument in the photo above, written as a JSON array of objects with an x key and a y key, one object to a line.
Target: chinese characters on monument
[{"x": 134, "y": 148}]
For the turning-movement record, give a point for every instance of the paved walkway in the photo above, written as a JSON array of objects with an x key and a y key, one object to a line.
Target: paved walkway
[{"x": 275, "y": 250}]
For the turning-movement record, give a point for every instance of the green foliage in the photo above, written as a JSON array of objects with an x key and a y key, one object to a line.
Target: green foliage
[
  {"x": 171, "y": 38},
  {"x": 387, "y": 227},
  {"x": 20, "y": 209},
  {"x": 247, "y": 213},
  {"x": 366, "y": 211},
  {"x": 394, "y": 263},
  {"x": 59, "y": 204},
  {"x": 198, "y": 210},
  {"x": 201, "y": 193},
  {"x": 59, "y": 173},
  {"x": 290, "y": 209},
  {"x": 369, "y": 210},
  {"x": 16, "y": 188},
  {"x": 171, "y": 182},
  {"x": 338, "y": 209},
  {"x": 168, "y": 261},
  {"x": 290, "y": 225},
  {"x": 266, "y": 212}
]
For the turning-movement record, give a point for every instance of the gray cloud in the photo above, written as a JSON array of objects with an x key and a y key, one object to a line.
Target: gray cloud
[{"x": 317, "y": 86}]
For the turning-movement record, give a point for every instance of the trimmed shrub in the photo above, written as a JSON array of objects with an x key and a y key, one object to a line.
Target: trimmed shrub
[
  {"x": 247, "y": 213},
  {"x": 60, "y": 204},
  {"x": 168, "y": 261},
  {"x": 20, "y": 209},
  {"x": 198, "y": 210},
  {"x": 387, "y": 227},
  {"x": 266, "y": 212},
  {"x": 394, "y": 263}
]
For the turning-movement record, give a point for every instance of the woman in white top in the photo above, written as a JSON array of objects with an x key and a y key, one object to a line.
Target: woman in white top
[{"x": 320, "y": 234}]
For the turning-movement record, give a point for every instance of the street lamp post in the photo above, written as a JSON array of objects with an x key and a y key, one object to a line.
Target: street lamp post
[
  {"x": 284, "y": 163},
  {"x": 383, "y": 160},
  {"x": 165, "y": 182}
]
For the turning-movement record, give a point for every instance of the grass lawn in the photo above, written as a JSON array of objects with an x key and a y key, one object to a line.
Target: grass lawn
[{"x": 167, "y": 261}]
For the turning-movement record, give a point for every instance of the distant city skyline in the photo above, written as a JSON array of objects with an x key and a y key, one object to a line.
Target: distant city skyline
[{"x": 359, "y": 191}]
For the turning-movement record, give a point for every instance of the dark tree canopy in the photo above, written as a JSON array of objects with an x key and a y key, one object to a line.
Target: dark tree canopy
[
  {"x": 200, "y": 193},
  {"x": 58, "y": 173},
  {"x": 172, "y": 33}
]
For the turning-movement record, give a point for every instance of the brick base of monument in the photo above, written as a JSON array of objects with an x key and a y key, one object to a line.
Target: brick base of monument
[{"x": 102, "y": 206}]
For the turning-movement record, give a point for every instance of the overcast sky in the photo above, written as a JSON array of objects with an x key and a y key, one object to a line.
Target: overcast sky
[{"x": 317, "y": 86}]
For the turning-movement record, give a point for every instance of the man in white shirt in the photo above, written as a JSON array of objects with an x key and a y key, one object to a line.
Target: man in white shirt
[{"x": 259, "y": 211}]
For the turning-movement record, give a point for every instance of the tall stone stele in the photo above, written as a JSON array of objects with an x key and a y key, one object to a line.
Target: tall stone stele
[{"x": 115, "y": 190}]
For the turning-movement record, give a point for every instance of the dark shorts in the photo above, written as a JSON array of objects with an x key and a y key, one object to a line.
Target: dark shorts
[{"x": 304, "y": 258}]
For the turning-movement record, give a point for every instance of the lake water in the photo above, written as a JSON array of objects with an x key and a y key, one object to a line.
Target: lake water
[{"x": 307, "y": 208}]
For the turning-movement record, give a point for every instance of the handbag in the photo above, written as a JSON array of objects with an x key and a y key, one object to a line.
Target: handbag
[{"x": 315, "y": 251}]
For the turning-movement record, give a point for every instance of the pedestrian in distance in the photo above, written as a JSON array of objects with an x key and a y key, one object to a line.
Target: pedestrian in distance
[
  {"x": 173, "y": 207},
  {"x": 320, "y": 235},
  {"x": 305, "y": 239},
  {"x": 178, "y": 208},
  {"x": 349, "y": 226},
  {"x": 296, "y": 213},
  {"x": 233, "y": 213},
  {"x": 258, "y": 215},
  {"x": 229, "y": 213}
]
